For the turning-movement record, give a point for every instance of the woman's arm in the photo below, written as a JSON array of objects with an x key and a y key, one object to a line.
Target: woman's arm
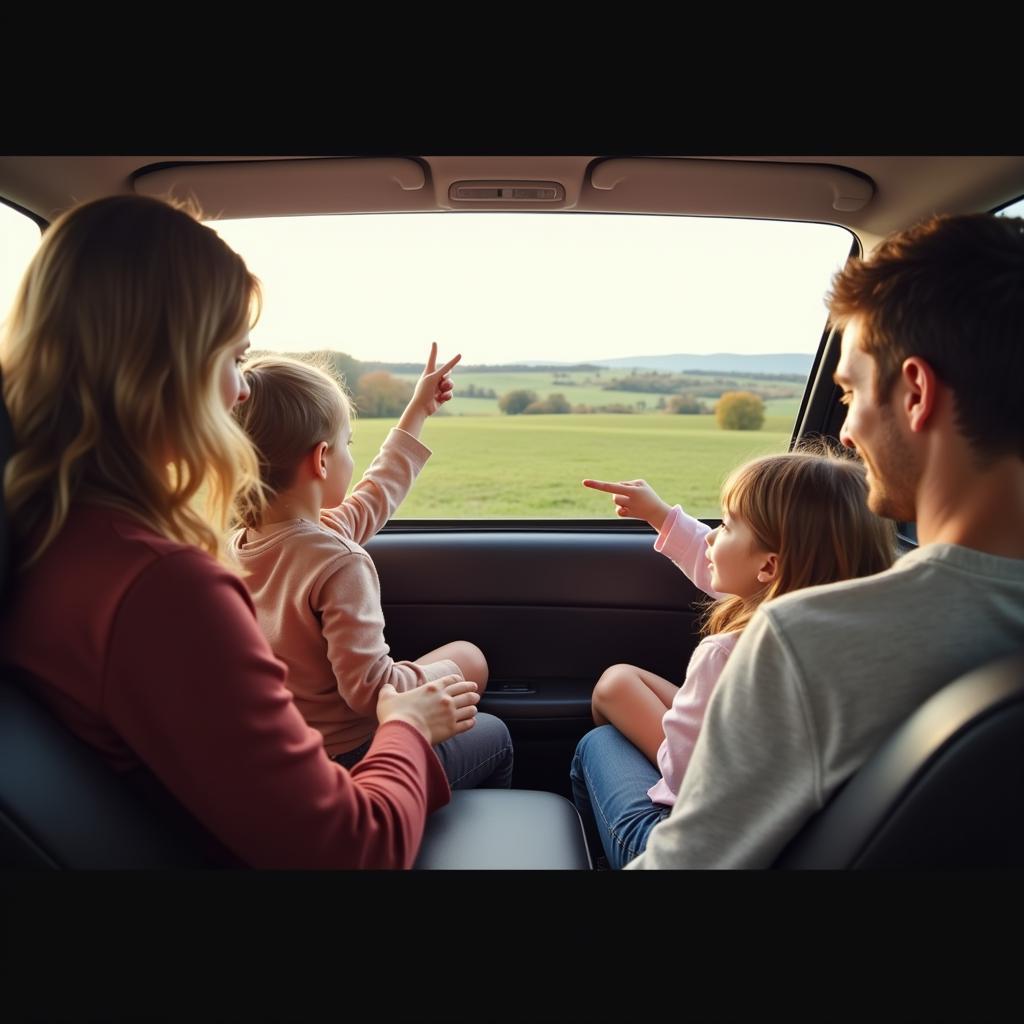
[{"x": 193, "y": 687}]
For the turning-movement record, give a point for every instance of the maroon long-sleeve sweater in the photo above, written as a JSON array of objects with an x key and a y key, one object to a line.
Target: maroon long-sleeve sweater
[{"x": 150, "y": 652}]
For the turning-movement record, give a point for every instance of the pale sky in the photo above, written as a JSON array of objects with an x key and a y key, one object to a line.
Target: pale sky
[
  {"x": 511, "y": 287},
  {"x": 506, "y": 287}
]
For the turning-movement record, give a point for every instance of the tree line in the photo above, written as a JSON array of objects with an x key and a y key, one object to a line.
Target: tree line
[{"x": 378, "y": 393}]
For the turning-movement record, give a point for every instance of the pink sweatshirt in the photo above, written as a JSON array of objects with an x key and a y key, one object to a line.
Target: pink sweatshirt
[
  {"x": 317, "y": 598},
  {"x": 683, "y": 540}
]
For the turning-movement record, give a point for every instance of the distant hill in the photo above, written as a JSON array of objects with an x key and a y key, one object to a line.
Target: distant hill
[
  {"x": 726, "y": 362},
  {"x": 531, "y": 367},
  {"x": 722, "y": 362}
]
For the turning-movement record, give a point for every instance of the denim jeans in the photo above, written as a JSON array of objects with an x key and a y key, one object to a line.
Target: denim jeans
[
  {"x": 610, "y": 779},
  {"x": 481, "y": 757}
]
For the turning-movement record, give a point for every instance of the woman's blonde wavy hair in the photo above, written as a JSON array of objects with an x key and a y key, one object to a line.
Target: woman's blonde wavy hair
[
  {"x": 111, "y": 363},
  {"x": 809, "y": 506}
]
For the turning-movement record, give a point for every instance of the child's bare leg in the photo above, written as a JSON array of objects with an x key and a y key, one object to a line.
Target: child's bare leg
[
  {"x": 634, "y": 701},
  {"x": 470, "y": 659}
]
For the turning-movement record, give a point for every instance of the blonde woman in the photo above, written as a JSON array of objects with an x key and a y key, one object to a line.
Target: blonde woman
[
  {"x": 121, "y": 362},
  {"x": 788, "y": 521}
]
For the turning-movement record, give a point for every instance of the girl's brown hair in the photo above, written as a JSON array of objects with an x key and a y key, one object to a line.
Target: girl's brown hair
[{"x": 809, "y": 506}]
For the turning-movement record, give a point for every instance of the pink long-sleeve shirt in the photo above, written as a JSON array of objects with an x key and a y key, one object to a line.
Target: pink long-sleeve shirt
[
  {"x": 317, "y": 597},
  {"x": 683, "y": 539}
]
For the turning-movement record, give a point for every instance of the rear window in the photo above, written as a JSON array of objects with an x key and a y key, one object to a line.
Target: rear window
[{"x": 592, "y": 344}]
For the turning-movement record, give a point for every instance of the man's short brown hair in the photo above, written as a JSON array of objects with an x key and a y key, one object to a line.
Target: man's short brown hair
[{"x": 951, "y": 291}]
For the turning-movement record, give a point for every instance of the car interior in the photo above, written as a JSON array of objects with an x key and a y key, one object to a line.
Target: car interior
[{"x": 551, "y": 601}]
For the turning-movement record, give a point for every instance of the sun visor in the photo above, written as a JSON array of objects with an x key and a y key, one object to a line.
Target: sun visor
[
  {"x": 268, "y": 188},
  {"x": 726, "y": 188}
]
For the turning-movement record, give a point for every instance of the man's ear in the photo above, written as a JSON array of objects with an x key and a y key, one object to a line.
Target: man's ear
[
  {"x": 318, "y": 462},
  {"x": 769, "y": 568},
  {"x": 920, "y": 392}
]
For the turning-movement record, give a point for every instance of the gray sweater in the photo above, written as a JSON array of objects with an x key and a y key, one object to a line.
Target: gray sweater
[{"x": 818, "y": 680}]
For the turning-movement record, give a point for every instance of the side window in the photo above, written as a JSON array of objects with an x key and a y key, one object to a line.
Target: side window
[
  {"x": 19, "y": 237},
  {"x": 1014, "y": 209},
  {"x": 593, "y": 345}
]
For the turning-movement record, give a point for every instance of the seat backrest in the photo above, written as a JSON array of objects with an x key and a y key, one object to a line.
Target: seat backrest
[
  {"x": 61, "y": 806},
  {"x": 946, "y": 790}
]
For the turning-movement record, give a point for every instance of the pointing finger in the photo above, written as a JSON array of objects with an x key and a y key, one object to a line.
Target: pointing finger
[{"x": 604, "y": 485}]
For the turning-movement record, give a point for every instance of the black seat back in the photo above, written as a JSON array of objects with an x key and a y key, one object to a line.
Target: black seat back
[
  {"x": 61, "y": 806},
  {"x": 945, "y": 791}
]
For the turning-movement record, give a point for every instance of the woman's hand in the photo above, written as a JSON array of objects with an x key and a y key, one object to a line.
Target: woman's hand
[{"x": 439, "y": 709}]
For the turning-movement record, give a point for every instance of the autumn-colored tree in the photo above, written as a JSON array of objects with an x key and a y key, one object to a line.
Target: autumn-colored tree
[
  {"x": 380, "y": 394},
  {"x": 740, "y": 410}
]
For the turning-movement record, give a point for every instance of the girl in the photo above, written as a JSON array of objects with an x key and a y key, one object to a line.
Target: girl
[
  {"x": 120, "y": 364},
  {"x": 315, "y": 588},
  {"x": 788, "y": 521}
]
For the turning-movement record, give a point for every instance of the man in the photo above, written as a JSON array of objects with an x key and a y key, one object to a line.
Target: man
[{"x": 931, "y": 367}]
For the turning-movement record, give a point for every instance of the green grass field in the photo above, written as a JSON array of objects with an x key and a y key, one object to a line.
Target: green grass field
[{"x": 494, "y": 466}]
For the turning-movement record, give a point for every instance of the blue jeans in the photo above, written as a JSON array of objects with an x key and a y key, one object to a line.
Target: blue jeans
[
  {"x": 610, "y": 779},
  {"x": 481, "y": 757}
]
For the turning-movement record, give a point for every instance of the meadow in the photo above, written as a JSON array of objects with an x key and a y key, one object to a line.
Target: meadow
[{"x": 488, "y": 465}]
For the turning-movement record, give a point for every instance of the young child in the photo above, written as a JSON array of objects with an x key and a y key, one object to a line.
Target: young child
[
  {"x": 788, "y": 521},
  {"x": 315, "y": 588}
]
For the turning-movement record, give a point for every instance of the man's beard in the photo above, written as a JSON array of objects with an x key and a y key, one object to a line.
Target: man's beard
[{"x": 892, "y": 475}]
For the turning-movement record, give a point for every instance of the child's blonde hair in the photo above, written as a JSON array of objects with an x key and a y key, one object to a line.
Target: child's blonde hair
[
  {"x": 293, "y": 405},
  {"x": 110, "y": 359},
  {"x": 809, "y": 506}
]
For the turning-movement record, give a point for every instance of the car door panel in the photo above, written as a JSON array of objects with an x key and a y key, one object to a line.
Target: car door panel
[{"x": 550, "y": 610}]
